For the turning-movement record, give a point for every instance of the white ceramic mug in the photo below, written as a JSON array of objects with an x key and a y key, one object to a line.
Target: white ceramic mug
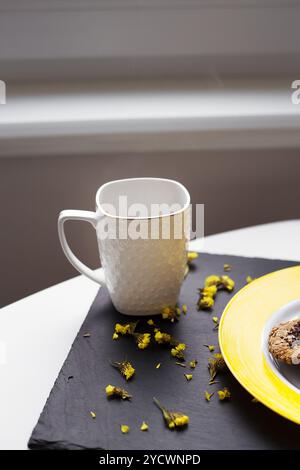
[{"x": 143, "y": 266}]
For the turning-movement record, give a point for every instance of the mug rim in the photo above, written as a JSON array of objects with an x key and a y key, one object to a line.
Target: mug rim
[{"x": 177, "y": 183}]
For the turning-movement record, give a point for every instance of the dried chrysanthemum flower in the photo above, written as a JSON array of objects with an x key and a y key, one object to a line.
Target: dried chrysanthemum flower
[
  {"x": 206, "y": 299},
  {"x": 212, "y": 280},
  {"x": 115, "y": 336},
  {"x": 193, "y": 363},
  {"x": 227, "y": 267},
  {"x": 178, "y": 351},
  {"x": 150, "y": 322},
  {"x": 173, "y": 419},
  {"x": 205, "y": 302},
  {"x": 162, "y": 338},
  {"x": 215, "y": 364},
  {"x": 227, "y": 283},
  {"x": 144, "y": 426},
  {"x": 224, "y": 394},
  {"x": 142, "y": 339},
  {"x": 188, "y": 377},
  {"x": 112, "y": 391},
  {"x": 192, "y": 255},
  {"x": 169, "y": 313},
  {"x": 127, "y": 329},
  {"x": 93, "y": 414},
  {"x": 210, "y": 347},
  {"x": 124, "y": 428},
  {"x": 184, "y": 309},
  {"x": 208, "y": 396},
  {"x": 126, "y": 369}
]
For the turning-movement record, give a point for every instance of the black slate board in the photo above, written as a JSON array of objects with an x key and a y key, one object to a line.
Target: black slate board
[{"x": 65, "y": 422}]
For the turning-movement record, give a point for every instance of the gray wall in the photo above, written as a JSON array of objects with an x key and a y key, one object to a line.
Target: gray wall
[{"x": 238, "y": 188}]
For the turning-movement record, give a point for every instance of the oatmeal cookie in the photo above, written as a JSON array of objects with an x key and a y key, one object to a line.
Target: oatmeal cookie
[{"x": 284, "y": 342}]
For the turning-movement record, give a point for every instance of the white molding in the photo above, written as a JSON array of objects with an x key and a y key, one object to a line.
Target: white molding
[{"x": 152, "y": 117}]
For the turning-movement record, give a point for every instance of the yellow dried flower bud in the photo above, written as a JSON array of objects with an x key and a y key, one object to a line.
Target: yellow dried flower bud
[
  {"x": 224, "y": 394},
  {"x": 150, "y": 322},
  {"x": 227, "y": 283},
  {"x": 124, "y": 428},
  {"x": 126, "y": 369},
  {"x": 112, "y": 391},
  {"x": 208, "y": 396},
  {"x": 115, "y": 336},
  {"x": 162, "y": 338},
  {"x": 172, "y": 418},
  {"x": 184, "y": 308},
  {"x": 188, "y": 377},
  {"x": 192, "y": 255},
  {"x": 144, "y": 426},
  {"x": 227, "y": 267},
  {"x": 206, "y": 302},
  {"x": 178, "y": 351},
  {"x": 249, "y": 279},
  {"x": 143, "y": 340},
  {"x": 212, "y": 280}
]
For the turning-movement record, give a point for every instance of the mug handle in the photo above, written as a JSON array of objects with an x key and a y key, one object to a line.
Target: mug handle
[{"x": 86, "y": 216}]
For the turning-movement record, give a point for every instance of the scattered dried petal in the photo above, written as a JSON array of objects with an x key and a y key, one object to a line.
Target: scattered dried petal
[
  {"x": 87, "y": 335},
  {"x": 112, "y": 391},
  {"x": 255, "y": 400},
  {"x": 193, "y": 363},
  {"x": 124, "y": 428},
  {"x": 126, "y": 369},
  {"x": 188, "y": 377},
  {"x": 205, "y": 302},
  {"x": 115, "y": 336},
  {"x": 216, "y": 364},
  {"x": 227, "y": 267},
  {"x": 173, "y": 419},
  {"x": 192, "y": 255},
  {"x": 162, "y": 338},
  {"x": 143, "y": 340},
  {"x": 127, "y": 329},
  {"x": 184, "y": 309},
  {"x": 169, "y": 313},
  {"x": 158, "y": 365},
  {"x": 224, "y": 394},
  {"x": 210, "y": 347},
  {"x": 178, "y": 351},
  {"x": 227, "y": 283},
  {"x": 150, "y": 322},
  {"x": 249, "y": 279},
  {"x": 181, "y": 364},
  {"x": 144, "y": 426},
  {"x": 215, "y": 319},
  {"x": 93, "y": 414},
  {"x": 212, "y": 280},
  {"x": 208, "y": 396}
]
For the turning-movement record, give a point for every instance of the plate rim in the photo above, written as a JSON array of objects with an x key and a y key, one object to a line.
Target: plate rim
[{"x": 248, "y": 386}]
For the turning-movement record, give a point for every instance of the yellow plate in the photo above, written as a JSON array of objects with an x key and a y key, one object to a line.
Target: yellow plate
[{"x": 241, "y": 333}]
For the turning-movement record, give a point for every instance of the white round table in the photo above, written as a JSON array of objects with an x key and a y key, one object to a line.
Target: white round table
[{"x": 36, "y": 333}]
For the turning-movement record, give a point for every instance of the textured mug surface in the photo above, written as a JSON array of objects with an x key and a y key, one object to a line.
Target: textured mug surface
[{"x": 143, "y": 266}]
